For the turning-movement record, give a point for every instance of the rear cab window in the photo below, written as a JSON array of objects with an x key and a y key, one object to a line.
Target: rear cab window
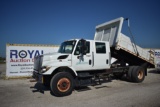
[{"x": 100, "y": 48}]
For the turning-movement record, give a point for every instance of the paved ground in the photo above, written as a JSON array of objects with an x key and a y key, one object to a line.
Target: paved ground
[
  {"x": 2, "y": 70},
  {"x": 22, "y": 93}
]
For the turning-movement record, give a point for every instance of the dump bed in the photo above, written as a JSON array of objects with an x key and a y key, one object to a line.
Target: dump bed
[{"x": 122, "y": 48}]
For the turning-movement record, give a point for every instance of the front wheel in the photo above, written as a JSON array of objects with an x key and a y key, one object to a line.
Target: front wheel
[{"x": 62, "y": 84}]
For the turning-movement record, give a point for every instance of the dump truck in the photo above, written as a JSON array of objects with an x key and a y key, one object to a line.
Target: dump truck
[{"x": 81, "y": 62}]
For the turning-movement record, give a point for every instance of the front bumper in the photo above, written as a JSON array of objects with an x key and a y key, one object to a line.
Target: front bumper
[{"x": 38, "y": 77}]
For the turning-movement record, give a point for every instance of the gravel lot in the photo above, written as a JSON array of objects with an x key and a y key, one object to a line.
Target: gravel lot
[
  {"x": 2, "y": 70},
  {"x": 118, "y": 93}
]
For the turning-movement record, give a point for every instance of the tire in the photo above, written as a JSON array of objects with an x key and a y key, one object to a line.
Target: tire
[
  {"x": 138, "y": 74},
  {"x": 62, "y": 84},
  {"x": 129, "y": 74}
]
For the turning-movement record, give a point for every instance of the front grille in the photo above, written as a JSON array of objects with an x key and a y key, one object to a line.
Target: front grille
[{"x": 38, "y": 63}]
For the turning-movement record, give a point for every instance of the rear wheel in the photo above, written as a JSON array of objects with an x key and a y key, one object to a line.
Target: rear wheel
[
  {"x": 62, "y": 84},
  {"x": 129, "y": 74},
  {"x": 138, "y": 74}
]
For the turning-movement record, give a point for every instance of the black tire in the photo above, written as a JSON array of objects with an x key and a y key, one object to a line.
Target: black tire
[
  {"x": 62, "y": 84},
  {"x": 138, "y": 74},
  {"x": 129, "y": 74}
]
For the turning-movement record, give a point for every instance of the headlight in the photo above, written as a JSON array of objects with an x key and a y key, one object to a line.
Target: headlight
[{"x": 44, "y": 69}]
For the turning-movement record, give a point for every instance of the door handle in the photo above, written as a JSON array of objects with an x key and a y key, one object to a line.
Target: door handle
[
  {"x": 107, "y": 61},
  {"x": 90, "y": 61}
]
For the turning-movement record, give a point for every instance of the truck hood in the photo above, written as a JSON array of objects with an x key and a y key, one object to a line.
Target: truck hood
[
  {"x": 53, "y": 56},
  {"x": 56, "y": 59}
]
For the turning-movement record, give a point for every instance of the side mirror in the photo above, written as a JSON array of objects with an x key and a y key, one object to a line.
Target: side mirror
[{"x": 83, "y": 48}]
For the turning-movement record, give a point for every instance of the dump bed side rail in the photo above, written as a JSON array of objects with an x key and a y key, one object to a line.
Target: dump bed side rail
[{"x": 124, "y": 43}]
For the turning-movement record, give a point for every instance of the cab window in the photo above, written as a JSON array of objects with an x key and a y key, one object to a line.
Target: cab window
[
  {"x": 100, "y": 48},
  {"x": 77, "y": 50},
  {"x": 67, "y": 47}
]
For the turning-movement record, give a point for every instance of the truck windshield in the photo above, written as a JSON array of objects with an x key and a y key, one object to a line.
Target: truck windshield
[{"x": 67, "y": 47}]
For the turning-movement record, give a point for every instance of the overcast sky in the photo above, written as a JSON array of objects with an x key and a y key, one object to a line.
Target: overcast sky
[{"x": 53, "y": 21}]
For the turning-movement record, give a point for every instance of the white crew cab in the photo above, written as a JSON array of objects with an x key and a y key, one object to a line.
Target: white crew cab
[{"x": 81, "y": 62}]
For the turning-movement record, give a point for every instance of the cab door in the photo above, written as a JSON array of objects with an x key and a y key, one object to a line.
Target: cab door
[
  {"x": 101, "y": 55},
  {"x": 81, "y": 61}
]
